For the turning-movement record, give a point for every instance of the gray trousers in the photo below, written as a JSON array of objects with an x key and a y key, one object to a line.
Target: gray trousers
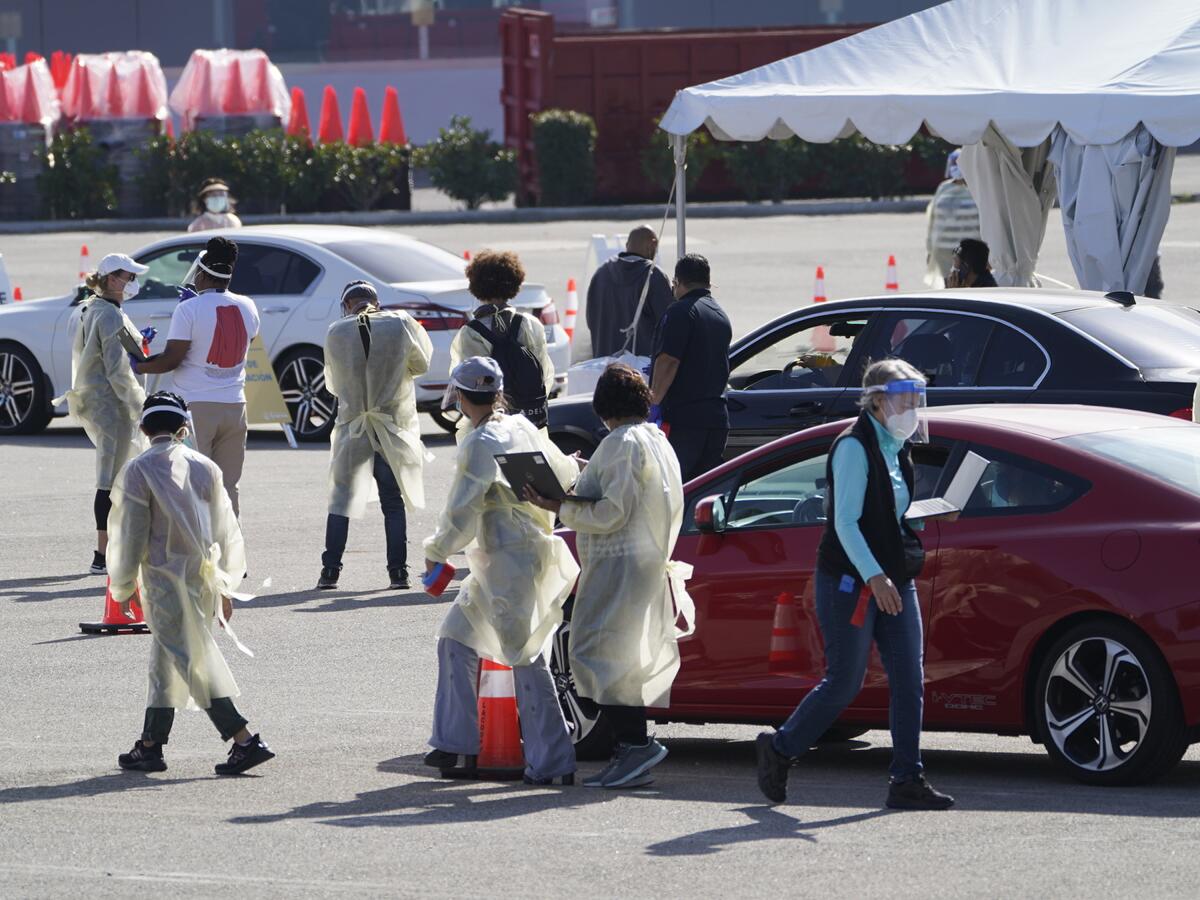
[{"x": 549, "y": 751}]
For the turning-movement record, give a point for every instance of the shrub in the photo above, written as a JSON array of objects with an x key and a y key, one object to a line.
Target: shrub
[
  {"x": 468, "y": 165},
  {"x": 564, "y": 142},
  {"x": 368, "y": 177},
  {"x": 75, "y": 182},
  {"x": 766, "y": 169},
  {"x": 658, "y": 160}
]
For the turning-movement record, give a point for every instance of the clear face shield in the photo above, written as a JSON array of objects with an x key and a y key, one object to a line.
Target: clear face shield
[{"x": 902, "y": 405}]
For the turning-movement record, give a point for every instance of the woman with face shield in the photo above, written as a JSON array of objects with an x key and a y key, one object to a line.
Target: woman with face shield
[
  {"x": 510, "y": 605},
  {"x": 105, "y": 396},
  {"x": 865, "y": 588},
  {"x": 214, "y": 206},
  {"x": 175, "y": 535}
]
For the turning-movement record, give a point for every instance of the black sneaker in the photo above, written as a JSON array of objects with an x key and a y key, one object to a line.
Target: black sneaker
[
  {"x": 456, "y": 763},
  {"x": 917, "y": 794},
  {"x": 143, "y": 759},
  {"x": 328, "y": 579},
  {"x": 772, "y": 768},
  {"x": 398, "y": 579},
  {"x": 242, "y": 758},
  {"x": 564, "y": 780},
  {"x": 98, "y": 565}
]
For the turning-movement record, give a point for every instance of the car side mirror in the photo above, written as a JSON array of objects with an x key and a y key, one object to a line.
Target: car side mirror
[{"x": 710, "y": 515}]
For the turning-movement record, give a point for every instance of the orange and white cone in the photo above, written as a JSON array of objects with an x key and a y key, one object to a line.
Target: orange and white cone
[
  {"x": 85, "y": 263},
  {"x": 785, "y": 637},
  {"x": 572, "y": 310},
  {"x": 823, "y": 341},
  {"x": 500, "y": 753},
  {"x": 893, "y": 282},
  {"x": 114, "y": 621}
]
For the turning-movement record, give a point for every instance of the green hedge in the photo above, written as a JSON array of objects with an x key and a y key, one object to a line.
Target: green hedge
[
  {"x": 565, "y": 144},
  {"x": 467, "y": 165},
  {"x": 76, "y": 183}
]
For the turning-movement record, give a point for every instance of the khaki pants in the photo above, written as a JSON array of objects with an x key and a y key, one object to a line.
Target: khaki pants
[{"x": 221, "y": 436}]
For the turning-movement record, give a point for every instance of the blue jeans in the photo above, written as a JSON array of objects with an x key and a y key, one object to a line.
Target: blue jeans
[
  {"x": 847, "y": 652},
  {"x": 395, "y": 523}
]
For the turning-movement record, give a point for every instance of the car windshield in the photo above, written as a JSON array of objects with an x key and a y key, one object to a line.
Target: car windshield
[
  {"x": 1149, "y": 336},
  {"x": 1167, "y": 454},
  {"x": 400, "y": 261}
]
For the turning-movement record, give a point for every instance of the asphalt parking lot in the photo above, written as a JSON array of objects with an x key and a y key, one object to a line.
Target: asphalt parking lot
[{"x": 342, "y": 682}]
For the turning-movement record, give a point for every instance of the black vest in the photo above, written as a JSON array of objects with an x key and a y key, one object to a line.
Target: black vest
[{"x": 895, "y": 547}]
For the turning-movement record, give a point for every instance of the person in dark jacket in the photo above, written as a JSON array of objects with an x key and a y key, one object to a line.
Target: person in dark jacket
[
  {"x": 971, "y": 266},
  {"x": 690, "y": 370},
  {"x": 615, "y": 291},
  {"x": 867, "y": 564}
]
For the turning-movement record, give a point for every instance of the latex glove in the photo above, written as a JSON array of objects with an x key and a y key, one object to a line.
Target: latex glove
[
  {"x": 655, "y": 417},
  {"x": 149, "y": 334}
]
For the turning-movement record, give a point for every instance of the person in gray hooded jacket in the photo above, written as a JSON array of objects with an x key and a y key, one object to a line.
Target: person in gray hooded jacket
[{"x": 614, "y": 292}]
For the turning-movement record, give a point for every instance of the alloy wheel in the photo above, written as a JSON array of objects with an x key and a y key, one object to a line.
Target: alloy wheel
[
  {"x": 1097, "y": 704},
  {"x": 580, "y": 721},
  {"x": 16, "y": 390},
  {"x": 302, "y": 383}
]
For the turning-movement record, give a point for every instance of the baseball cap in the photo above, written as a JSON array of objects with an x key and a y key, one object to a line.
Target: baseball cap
[
  {"x": 479, "y": 373},
  {"x": 115, "y": 262}
]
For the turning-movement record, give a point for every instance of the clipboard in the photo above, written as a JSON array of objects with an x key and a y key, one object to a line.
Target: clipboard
[
  {"x": 959, "y": 491},
  {"x": 532, "y": 469},
  {"x": 132, "y": 342}
]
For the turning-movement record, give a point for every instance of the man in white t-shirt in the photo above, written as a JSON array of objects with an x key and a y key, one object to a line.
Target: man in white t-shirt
[{"x": 206, "y": 349}]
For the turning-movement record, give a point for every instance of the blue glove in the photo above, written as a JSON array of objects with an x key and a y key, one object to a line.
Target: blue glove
[
  {"x": 133, "y": 363},
  {"x": 149, "y": 334},
  {"x": 655, "y": 417}
]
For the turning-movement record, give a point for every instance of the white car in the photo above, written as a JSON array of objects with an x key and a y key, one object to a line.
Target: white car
[{"x": 295, "y": 273}]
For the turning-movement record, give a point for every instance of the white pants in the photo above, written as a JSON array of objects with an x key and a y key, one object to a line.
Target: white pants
[{"x": 549, "y": 751}]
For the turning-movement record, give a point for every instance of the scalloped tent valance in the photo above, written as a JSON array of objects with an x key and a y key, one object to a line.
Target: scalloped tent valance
[{"x": 1098, "y": 68}]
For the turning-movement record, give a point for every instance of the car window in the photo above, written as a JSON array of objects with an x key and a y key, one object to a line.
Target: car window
[
  {"x": 807, "y": 356},
  {"x": 791, "y": 495},
  {"x": 1149, "y": 336},
  {"x": 946, "y": 348},
  {"x": 1011, "y": 360},
  {"x": 1013, "y": 485},
  {"x": 262, "y": 271},
  {"x": 1170, "y": 455},
  {"x": 401, "y": 261},
  {"x": 167, "y": 271}
]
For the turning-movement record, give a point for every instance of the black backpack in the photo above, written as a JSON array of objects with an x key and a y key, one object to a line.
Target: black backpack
[{"x": 524, "y": 385}]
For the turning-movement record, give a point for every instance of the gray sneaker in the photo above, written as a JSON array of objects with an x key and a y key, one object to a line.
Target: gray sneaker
[{"x": 632, "y": 762}]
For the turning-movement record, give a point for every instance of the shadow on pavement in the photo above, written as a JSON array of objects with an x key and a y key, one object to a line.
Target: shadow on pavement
[
  {"x": 118, "y": 782},
  {"x": 376, "y": 601},
  {"x": 766, "y": 824},
  {"x": 19, "y": 590}
]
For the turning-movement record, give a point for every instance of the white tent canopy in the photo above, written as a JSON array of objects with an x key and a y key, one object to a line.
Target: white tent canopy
[{"x": 1092, "y": 71}]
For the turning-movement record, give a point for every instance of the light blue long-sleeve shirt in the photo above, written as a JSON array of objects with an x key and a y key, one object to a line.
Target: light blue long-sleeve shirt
[{"x": 850, "y": 488}]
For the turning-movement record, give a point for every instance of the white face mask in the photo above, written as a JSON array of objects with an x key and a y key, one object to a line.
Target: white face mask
[
  {"x": 131, "y": 289},
  {"x": 216, "y": 203},
  {"x": 902, "y": 425}
]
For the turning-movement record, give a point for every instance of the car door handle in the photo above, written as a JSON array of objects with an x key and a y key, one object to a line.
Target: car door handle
[
  {"x": 160, "y": 316},
  {"x": 277, "y": 309},
  {"x": 807, "y": 408}
]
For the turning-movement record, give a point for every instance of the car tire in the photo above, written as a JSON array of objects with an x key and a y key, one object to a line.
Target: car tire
[
  {"x": 590, "y": 729},
  {"x": 569, "y": 443},
  {"x": 446, "y": 419},
  {"x": 301, "y": 375},
  {"x": 24, "y": 395},
  {"x": 1106, "y": 706}
]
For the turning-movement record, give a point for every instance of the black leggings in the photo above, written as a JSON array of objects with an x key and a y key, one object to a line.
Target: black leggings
[
  {"x": 628, "y": 723},
  {"x": 223, "y": 713},
  {"x": 101, "y": 507}
]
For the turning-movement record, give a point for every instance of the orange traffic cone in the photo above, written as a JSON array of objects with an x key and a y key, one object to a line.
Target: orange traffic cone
[
  {"x": 330, "y": 131},
  {"x": 572, "y": 311},
  {"x": 819, "y": 286},
  {"x": 114, "y": 621},
  {"x": 822, "y": 341},
  {"x": 298, "y": 125},
  {"x": 362, "y": 133},
  {"x": 31, "y": 109},
  {"x": 500, "y": 754},
  {"x": 784, "y": 655},
  {"x": 85, "y": 263},
  {"x": 17, "y": 295},
  {"x": 112, "y": 95},
  {"x": 467, "y": 255},
  {"x": 391, "y": 125},
  {"x": 234, "y": 102},
  {"x": 893, "y": 283}
]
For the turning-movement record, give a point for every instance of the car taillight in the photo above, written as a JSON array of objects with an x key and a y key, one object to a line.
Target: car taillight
[
  {"x": 432, "y": 317},
  {"x": 1182, "y": 413},
  {"x": 549, "y": 314}
]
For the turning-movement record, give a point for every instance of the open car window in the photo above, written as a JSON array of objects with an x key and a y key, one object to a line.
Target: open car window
[
  {"x": 790, "y": 494},
  {"x": 167, "y": 270},
  {"x": 807, "y": 355}
]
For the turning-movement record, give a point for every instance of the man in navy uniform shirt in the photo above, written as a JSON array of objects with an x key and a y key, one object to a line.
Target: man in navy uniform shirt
[{"x": 691, "y": 369}]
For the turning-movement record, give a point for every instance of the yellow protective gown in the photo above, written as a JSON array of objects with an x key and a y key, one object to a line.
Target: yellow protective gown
[
  {"x": 623, "y": 626},
  {"x": 172, "y": 529},
  {"x": 377, "y": 406},
  {"x": 510, "y": 604},
  {"x": 105, "y": 395}
]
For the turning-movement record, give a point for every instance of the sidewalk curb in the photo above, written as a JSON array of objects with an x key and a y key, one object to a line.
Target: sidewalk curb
[{"x": 644, "y": 211}]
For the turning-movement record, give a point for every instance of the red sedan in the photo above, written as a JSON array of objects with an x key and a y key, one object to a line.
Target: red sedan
[{"x": 1061, "y": 604}]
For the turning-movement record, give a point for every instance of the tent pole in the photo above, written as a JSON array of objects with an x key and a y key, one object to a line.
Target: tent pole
[{"x": 679, "y": 151}]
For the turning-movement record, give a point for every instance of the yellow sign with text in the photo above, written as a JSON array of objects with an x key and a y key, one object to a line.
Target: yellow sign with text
[{"x": 264, "y": 400}]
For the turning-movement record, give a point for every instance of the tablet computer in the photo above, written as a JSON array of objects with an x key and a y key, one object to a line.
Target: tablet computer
[
  {"x": 532, "y": 469},
  {"x": 132, "y": 342}
]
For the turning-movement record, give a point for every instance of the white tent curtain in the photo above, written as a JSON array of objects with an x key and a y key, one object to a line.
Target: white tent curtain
[
  {"x": 1014, "y": 190},
  {"x": 1115, "y": 201}
]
